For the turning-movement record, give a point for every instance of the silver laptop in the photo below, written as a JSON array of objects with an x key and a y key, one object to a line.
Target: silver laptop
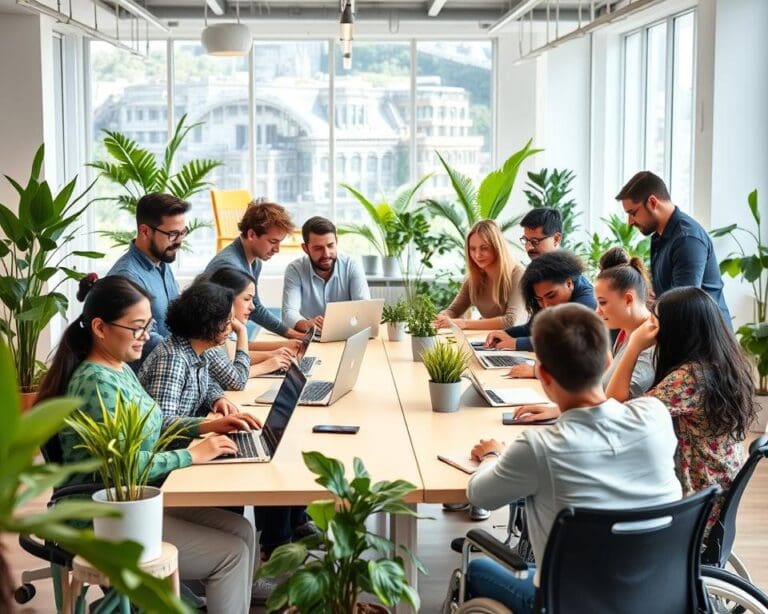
[
  {"x": 506, "y": 397},
  {"x": 488, "y": 357},
  {"x": 260, "y": 446},
  {"x": 318, "y": 392},
  {"x": 306, "y": 363},
  {"x": 343, "y": 319}
]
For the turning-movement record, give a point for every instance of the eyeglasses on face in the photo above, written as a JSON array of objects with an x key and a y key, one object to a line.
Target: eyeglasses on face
[
  {"x": 534, "y": 241},
  {"x": 138, "y": 332},
  {"x": 173, "y": 235}
]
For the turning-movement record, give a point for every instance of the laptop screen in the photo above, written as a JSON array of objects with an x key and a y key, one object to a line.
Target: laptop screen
[{"x": 283, "y": 407}]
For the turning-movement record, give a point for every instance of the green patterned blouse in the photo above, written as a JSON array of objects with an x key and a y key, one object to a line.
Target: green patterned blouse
[{"x": 91, "y": 379}]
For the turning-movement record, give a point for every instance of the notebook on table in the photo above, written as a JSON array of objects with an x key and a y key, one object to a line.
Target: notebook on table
[{"x": 462, "y": 462}]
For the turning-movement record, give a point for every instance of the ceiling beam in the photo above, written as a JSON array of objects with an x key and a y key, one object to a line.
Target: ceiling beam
[
  {"x": 217, "y": 7},
  {"x": 521, "y": 9},
  {"x": 435, "y": 7}
]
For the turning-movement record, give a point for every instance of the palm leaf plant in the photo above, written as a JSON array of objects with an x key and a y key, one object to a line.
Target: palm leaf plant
[
  {"x": 138, "y": 172},
  {"x": 351, "y": 558},
  {"x": 22, "y": 479},
  {"x": 620, "y": 234},
  {"x": 33, "y": 252},
  {"x": 486, "y": 201}
]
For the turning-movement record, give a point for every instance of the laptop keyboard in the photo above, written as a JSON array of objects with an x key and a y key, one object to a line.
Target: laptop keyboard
[
  {"x": 494, "y": 397},
  {"x": 305, "y": 365},
  {"x": 245, "y": 445},
  {"x": 504, "y": 361},
  {"x": 316, "y": 391}
]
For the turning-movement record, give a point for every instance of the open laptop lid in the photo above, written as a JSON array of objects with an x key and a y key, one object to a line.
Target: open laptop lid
[
  {"x": 349, "y": 365},
  {"x": 305, "y": 341},
  {"x": 343, "y": 319},
  {"x": 282, "y": 409}
]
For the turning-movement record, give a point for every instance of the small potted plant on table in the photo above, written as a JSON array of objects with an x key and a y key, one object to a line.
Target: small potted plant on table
[
  {"x": 395, "y": 316},
  {"x": 421, "y": 316},
  {"x": 445, "y": 363}
]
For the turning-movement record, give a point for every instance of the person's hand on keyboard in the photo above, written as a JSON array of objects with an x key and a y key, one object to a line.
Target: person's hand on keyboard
[
  {"x": 535, "y": 413},
  {"x": 227, "y": 424},
  {"x": 500, "y": 340},
  {"x": 212, "y": 447},
  {"x": 523, "y": 371},
  {"x": 224, "y": 407},
  {"x": 277, "y": 363}
]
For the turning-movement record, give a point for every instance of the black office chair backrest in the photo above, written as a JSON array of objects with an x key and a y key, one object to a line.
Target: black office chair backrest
[
  {"x": 723, "y": 534},
  {"x": 52, "y": 452},
  {"x": 628, "y": 561}
]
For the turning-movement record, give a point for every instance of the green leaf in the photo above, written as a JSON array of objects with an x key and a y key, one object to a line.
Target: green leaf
[
  {"x": 10, "y": 409},
  {"x": 382, "y": 545},
  {"x": 37, "y": 163},
  {"x": 88, "y": 254},
  {"x": 44, "y": 477},
  {"x": 414, "y": 560},
  {"x": 412, "y": 597},
  {"x": 359, "y": 468},
  {"x": 752, "y": 201},
  {"x": 406, "y": 194},
  {"x": 330, "y": 470},
  {"x": 730, "y": 266},
  {"x": 497, "y": 186},
  {"x": 46, "y": 273},
  {"x": 285, "y": 559},
  {"x": 322, "y": 512},
  {"x": 342, "y": 532},
  {"x": 307, "y": 589},
  {"x": 751, "y": 267},
  {"x": 62, "y": 198},
  {"x": 11, "y": 225},
  {"x": 278, "y": 600},
  {"x": 719, "y": 232},
  {"x": 388, "y": 579},
  {"x": 465, "y": 191}
]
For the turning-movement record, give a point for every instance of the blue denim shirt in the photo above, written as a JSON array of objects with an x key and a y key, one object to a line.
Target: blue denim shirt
[
  {"x": 234, "y": 255},
  {"x": 684, "y": 256},
  {"x": 158, "y": 281},
  {"x": 582, "y": 294},
  {"x": 305, "y": 293}
]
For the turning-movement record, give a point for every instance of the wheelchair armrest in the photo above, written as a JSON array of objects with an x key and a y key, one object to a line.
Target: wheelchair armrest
[
  {"x": 46, "y": 551},
  {"x": 491, "y": 546}
]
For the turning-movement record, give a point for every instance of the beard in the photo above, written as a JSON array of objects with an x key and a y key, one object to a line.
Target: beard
[
  {"x": 324, "y": 267},
  {"x": 167, "y": 255}
]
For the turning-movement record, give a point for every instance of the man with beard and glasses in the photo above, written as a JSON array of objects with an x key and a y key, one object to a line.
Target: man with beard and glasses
[
  {"x": 682, "y": 253},
  {"x": 322, "y": 276},
  {"x": 160, "y": 231}
]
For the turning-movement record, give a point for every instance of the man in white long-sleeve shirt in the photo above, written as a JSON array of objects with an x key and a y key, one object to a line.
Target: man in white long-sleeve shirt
[{"x": 599, "y": 454}]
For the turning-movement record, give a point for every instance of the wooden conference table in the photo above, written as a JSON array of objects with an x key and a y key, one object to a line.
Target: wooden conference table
[{"x": 399, "y": 438}]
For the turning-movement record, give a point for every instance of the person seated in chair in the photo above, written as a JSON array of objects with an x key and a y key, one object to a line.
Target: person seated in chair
[{"x": 599, "y": 454}]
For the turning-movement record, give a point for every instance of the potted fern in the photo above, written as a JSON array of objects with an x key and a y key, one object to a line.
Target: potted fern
[
  {"x": 445, "y": 363},
  {"x": 326, "y": 573},
  {"x": 421, "y": 317},
  {"x": 395, "y": 315},
  {"x": 116, "y": 439}
]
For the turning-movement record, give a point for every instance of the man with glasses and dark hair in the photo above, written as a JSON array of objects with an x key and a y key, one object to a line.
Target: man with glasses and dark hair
[
  {"x": 682, "y": 253},
  {"x": 542, "y": 231},
  {"x": 160, "y": 231}
]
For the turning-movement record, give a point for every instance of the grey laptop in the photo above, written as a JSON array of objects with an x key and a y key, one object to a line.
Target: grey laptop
[
  {"x": 306, "y": 363},
  {"x": 506, "y": 397},
  {"x": 318, "y": 392},
  {"x": 343, "y": 319},
  {"x": 487, "y": 357},
  {"x": 260, "y": 446}
]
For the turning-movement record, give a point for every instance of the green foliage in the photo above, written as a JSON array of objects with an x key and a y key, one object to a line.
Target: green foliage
[
  {"x": 34, "y": 246},
  {"x": 486, "y": 201},
  {"x": 421, "y": 316},
  {"x": 116, "y": 441},
  {"x": 395, "y": 312},
  {"x": 22, "y": 479},
  {"x": 441, "y": 290},
  {"x": 445, "y": 362},
  {"x": 622, "y": 235},
  {"x": 547, "y": 189},
  {"x": 353, "y": 559},
  {"x": 750, "y": 264},
  {"x": 137, "y": 172}
]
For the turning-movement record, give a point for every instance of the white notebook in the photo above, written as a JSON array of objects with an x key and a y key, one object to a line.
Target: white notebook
[{"x": 462, "y": 462}]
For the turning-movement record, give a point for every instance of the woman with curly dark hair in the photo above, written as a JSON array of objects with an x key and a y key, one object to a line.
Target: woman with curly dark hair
[
  {"x": 705, "y": 380},
  {"x": 176, "y": 373}
]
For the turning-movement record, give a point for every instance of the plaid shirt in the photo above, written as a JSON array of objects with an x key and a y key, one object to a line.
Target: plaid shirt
[
  {"x": 229, "y": 374},
  {"x": 179, "y": 380}
]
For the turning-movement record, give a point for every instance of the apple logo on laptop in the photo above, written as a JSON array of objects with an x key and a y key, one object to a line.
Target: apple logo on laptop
[{"x": 353, "y": 321}]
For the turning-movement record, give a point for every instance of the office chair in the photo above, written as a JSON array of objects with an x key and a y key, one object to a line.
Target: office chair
[
  {"x": 629, "y": 561},
  {"x": 228, "y": 209}
]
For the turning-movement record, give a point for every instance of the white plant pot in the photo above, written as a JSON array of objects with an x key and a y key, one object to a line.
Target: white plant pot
[
  {"x": 390, "y": 266},
  {"x": 372, "y": 265},
  {"x": 761, "y": 422},
  {"x": 445, "y": 397},
  {"x": 396, "y": 331},
  {"x": 419, "y": 344},
  {"x": 140, "y": 521}
]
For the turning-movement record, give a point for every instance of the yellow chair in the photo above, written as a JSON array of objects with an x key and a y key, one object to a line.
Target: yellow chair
[{"x": 228, "y": 209}]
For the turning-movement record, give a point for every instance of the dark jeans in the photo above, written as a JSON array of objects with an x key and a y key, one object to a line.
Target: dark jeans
[{"x": 277, "y": 524}]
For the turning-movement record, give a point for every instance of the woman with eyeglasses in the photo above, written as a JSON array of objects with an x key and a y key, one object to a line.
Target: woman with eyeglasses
[
  {"x": 491, "y": 285},
  {"x": 215, "y": 546},
  {"x": 703, "y": 377}
]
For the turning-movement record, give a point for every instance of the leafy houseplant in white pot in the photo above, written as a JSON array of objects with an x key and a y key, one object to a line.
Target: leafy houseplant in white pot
[
  {"x": 445, "y": 363},
  {"x": 753, "y": 269},
  {"x": 395, "y": 316},
  {"x": 116, "y": 439},
  {"x": 421, "y": 316}
]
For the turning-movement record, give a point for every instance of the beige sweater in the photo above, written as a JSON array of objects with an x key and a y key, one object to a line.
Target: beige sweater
[{"x": 513, "y": 312}]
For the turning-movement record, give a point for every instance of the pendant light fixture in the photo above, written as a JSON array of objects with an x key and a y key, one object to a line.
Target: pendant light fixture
[
  {"x": 226, "y": 39},
  {"x": 345, "y": 33}
]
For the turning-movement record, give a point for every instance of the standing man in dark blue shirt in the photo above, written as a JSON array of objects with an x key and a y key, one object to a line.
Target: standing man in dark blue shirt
[{"x": 682, "y": 253}]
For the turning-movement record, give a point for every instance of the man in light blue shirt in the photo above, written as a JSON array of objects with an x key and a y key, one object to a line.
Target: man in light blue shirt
[
  {"x": 263, "y": 227},
  {"x": 160, "y": 231},
  {"x": 322, "y": 276}
]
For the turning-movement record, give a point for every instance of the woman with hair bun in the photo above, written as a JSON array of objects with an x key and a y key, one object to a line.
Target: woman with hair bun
[{"x": 215, "y": 546}]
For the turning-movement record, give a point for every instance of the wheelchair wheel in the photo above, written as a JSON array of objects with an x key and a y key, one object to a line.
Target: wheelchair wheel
[
  {"x": 731, "y": 594},
  {"x": 24, "y": 593}
]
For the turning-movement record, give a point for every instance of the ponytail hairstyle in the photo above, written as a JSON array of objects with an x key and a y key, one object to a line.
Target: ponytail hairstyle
[
  {"x": 107, "y": 299},
  {"x": 625, "y": 273}
]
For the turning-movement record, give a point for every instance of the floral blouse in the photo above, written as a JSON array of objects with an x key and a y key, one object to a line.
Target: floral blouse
[{"x": 701, "y": 460}]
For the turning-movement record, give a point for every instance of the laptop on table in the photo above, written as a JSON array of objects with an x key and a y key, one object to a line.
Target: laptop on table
[
  {"x": 306, "y": 363},
  {"x": 506, "y": 397},
  {"x": 260, "y": 446},
  {"x": 342, "y": 319},
  {"x": 318, "y": 392},
  {"x": 488, "y": 357}
]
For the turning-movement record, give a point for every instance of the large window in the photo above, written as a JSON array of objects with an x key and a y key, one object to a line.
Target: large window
[{"x": 658, "y": 103}]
